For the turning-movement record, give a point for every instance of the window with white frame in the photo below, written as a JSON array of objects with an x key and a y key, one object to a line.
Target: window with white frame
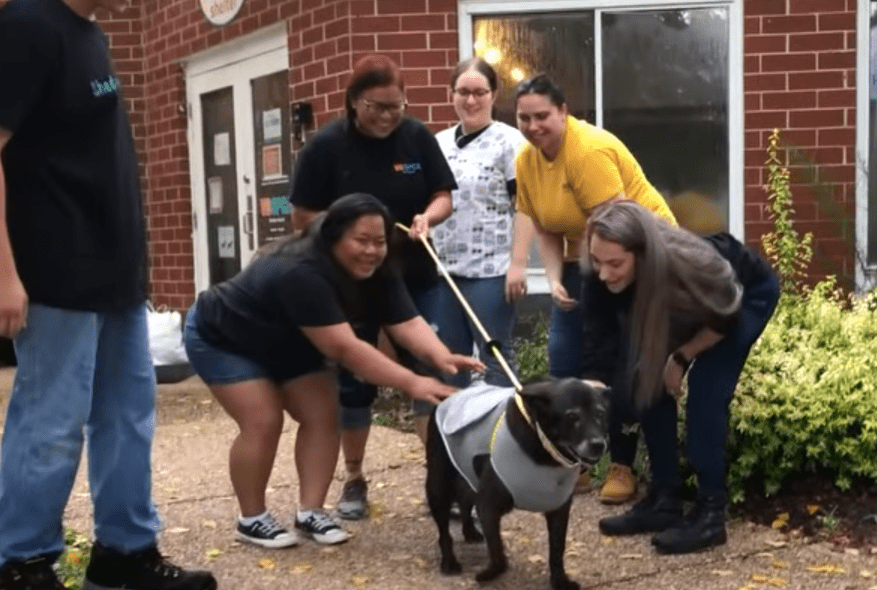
[
  {"x": 665, "y": 78},
  {"x": 872, "y": 136}
]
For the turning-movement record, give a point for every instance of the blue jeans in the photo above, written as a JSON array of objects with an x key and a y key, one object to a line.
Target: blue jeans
[
  {"x": 486, "y": 297},
  {"x": 566, "y": 330},
  {"x": 81, "y": 376}
]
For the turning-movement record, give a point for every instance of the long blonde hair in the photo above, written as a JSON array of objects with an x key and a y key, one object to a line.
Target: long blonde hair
[{"x": 675, "y": 270}]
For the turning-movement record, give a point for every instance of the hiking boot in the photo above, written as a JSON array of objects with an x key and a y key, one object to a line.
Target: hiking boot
[
  {"x": 320, "y": 527},
  {"x": 144, "y": 570},
  {"x": 33, "y": 574},
  {"x": 703, "y": 527},
  {"x": 353, "y": 503},
  {"x": 583, "y": 483},
  {"x": 652, "y": 514},
  {"x": 266, "y": 532},
  {"x": 619, "y": 486}
]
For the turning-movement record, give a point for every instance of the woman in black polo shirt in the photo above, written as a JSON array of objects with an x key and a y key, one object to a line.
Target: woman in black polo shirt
[{"x": 263, "y": 341}]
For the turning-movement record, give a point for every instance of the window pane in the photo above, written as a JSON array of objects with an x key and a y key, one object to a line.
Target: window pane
[
  {"x": 665, "y": 95},
  {"x": 872, "y": 140},
  {"x": 559, "y": 44}
]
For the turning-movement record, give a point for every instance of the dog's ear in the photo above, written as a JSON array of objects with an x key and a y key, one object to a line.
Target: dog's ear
[
  {"x": 536, "y": 395},
  {"x": 604, "y": 390}
]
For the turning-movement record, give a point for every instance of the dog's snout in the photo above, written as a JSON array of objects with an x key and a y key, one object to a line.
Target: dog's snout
[{"x": 598, "y": 445}]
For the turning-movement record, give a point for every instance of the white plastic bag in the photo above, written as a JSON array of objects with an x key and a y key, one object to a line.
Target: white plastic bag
[{"x": 166, "y": 336}]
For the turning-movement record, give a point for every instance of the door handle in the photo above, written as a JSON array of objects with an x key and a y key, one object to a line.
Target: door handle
[{"x": 248, "y": 222}]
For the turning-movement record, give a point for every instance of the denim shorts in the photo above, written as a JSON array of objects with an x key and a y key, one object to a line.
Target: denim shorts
[{"x": 215, "y": 365}]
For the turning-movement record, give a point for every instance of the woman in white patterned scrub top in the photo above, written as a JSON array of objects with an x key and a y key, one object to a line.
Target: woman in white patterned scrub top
[{"x": 474, "y": 243}]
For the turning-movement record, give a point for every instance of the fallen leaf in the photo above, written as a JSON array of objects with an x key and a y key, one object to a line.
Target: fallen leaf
[
  {"x": 524, "y": 539},
  {"x": 301, "y": 568},
  {"x": 359, "y": 580},
  {"x": 866, "y": 574},
  {"x": 630, "y": 556},
  {"x": 535, "y": 558},
  {"x": 813, "y": 508},
  {"x": 723, "y": 572},
  {"x": 607, "y": 540},
  {"x": 177, "y": 530},
  {"x": 769, "y": 580},
  {"x": 777, "y": 543},
  {"x": 851, "y": 551},
  {"x": 267, "y": 564},
  {"x": 420, "y": 562},
  {"x": 781, "y": 521},
  {"x": 826, "y": 568},
  {"x": 210, "y": 524},
  {"x": 213, "y": 553},
  {"x": 781, "y": 565}
]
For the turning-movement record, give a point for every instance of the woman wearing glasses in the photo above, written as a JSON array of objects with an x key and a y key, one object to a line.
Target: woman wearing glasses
[
  {"x": 568, "y": 169},
  {"x": 474, "y": 243},
  {"x": 376, "y": 149}
]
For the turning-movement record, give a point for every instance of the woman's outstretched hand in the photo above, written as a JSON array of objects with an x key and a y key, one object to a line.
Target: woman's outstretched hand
[
  {"x": 427, "y": 389},
  {"x": 561, "y": 298},
  {"x": 454, "y": 363},
  {"x": 673, "y": 375}
]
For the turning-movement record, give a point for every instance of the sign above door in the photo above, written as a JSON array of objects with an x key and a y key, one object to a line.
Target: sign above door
[{"x": 221, "y": 12}]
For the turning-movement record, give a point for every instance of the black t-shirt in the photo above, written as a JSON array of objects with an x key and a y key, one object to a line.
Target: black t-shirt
[
  {"x": 72, "y": 193},
  {"x": 402, "y": 170},
  {"x": 260, "y": 311}
]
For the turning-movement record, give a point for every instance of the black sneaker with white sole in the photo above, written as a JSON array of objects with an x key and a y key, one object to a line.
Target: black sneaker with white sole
[
  {"x": 266, "y": 532},
  {"x": 321, "y": 528},
  {"x": 143, "y": 570}
]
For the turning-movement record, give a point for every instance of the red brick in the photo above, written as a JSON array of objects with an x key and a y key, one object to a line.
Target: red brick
[
  {"x": 816, "y": 42},
  {"x": 799, "y": 137},
  {"x": 762, "y": 82},
  {"x": 363, "y": 7},
  {"x": 324, "y": 50},
  {"x": 443, "y": 112},
  {"x": 444, "y": 40},
  {"x": 312, "y": 35},
  {"x": 759, "y": 7},
  {"x": 340, "y": 64},
  {"x": 816, "y": 118},
  {"x": 443, "y": 6},
  {"x": 836, "y": 59},
  {"x": 837, "y": 98},
  {"x": 326, "y": 85},
  {"x": 377, "y": 24},
  {"x": 427, "y": 95},
  {"x": 813, "y": 80},
  {"x": 324, "y": 15},
  {"x": 337, "y": 28},
  {"x": 416, "y": 77},
  {"x": 401, "y": 6},
  {"x": 751, "y": 25},
  {"x": 399, "y": 41},
  {"x": 752, "y": 139},
  {"x": 845, "y": 21},
  {"x": 752, "y": 101},
  {"x": 764, "y": 43},
  {"x": 363, "y": 43},
  {"x": 790, "y": 62},
  {"x": 754, "y": 157},
  {"x": 789, "y": 100},
  {"x": 789, "y": 24},
  {"x": 423, "y": 59},
  {"x": 767, "y": 120},
  {"x": 423, "y": 22},
  {"x": 418, "y": 111},
  {"x": 303, "y": 55},
  {"x": 815, "y": 6}
]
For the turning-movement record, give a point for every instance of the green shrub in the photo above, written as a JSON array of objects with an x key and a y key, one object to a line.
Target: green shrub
[
  {"x": 532, "y": 353},
  {"x": 72, "y": 563}
]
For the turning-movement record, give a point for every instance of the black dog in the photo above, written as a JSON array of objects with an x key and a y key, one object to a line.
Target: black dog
[{"x": 534, "y": 443}]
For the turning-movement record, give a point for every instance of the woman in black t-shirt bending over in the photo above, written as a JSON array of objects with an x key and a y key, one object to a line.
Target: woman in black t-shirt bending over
[{"x": 264, "y": 340}]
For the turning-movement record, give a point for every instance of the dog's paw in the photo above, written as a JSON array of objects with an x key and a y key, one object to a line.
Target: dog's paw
[
  {"x": 563, "y": 583},
  {"x": 450, "y": 567},
  {"x": 491, "y": 572}
]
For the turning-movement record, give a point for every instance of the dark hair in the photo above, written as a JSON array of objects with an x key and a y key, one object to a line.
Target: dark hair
[
  {"x": 541, "y": 84},
  {"x": 480, "y": 65},
  {"x": 369, "y": 72},
  {"x": 344, "y": 213}
]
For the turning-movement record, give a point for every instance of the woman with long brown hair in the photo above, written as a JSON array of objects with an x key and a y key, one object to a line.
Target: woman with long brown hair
[{"x": 662, "y": 302}]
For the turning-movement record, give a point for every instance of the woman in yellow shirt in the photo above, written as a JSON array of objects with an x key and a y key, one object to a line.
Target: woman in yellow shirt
[{"x": 566, "y": 170}]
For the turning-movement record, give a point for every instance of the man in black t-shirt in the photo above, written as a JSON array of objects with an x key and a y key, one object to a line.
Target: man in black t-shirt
[{"x": 72, "y": 296}]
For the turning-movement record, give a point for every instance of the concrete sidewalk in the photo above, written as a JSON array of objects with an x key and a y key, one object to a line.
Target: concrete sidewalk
[{"x": 396, "y": 547}]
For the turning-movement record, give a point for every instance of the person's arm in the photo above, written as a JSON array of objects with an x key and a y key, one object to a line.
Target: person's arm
[
  {"x": 678, "y": 361},
  {"x": 339, "y": 343},
  {"x": 516, "y": 276},
  {"x": 416, "y": 335},
  {"x": 13, "y": 298},
  {"x": 302, "y": 217},
  {"x": 439, "y": 209},
  {"x": 551, "y": 252}
]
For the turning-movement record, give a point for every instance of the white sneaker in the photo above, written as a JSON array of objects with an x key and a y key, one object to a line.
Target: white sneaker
[
  {"x": 321, "y": 528},
  {"x": 267, "y": 532}
]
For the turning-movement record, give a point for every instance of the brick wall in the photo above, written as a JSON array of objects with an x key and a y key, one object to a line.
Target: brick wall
[{"x": 799, "y": 68}]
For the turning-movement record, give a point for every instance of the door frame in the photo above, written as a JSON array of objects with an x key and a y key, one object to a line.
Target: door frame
[{"x": 232, "y": 64}]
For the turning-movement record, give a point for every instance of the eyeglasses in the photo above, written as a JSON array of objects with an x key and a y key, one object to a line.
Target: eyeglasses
[
  {"x": 466, "y": 93},
  {"x": 394, "y": 108}
]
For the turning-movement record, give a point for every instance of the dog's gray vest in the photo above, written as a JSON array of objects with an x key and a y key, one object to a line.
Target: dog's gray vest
[{"x": 467, "y": 421}]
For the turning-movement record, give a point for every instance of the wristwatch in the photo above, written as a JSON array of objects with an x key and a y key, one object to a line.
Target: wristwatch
[{"x": 680, "y": 360}]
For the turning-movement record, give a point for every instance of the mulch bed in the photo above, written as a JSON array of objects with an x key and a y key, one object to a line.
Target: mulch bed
[{"x": 817, "y": 509}]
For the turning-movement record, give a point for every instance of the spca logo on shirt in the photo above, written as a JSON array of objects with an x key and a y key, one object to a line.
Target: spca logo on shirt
[
  {"x": 105, "y": 86},
  {"x": 407, "y": 167}
]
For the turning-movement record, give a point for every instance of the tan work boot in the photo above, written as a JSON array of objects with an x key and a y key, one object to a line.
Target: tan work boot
[
  {"x": 619, "y": 486},
  {"x": 583, "y": 484}
]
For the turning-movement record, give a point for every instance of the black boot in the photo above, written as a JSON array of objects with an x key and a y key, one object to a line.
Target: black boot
[
  {"x": 654, "y": 513},
  {"x": 703, "y": 527}
]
